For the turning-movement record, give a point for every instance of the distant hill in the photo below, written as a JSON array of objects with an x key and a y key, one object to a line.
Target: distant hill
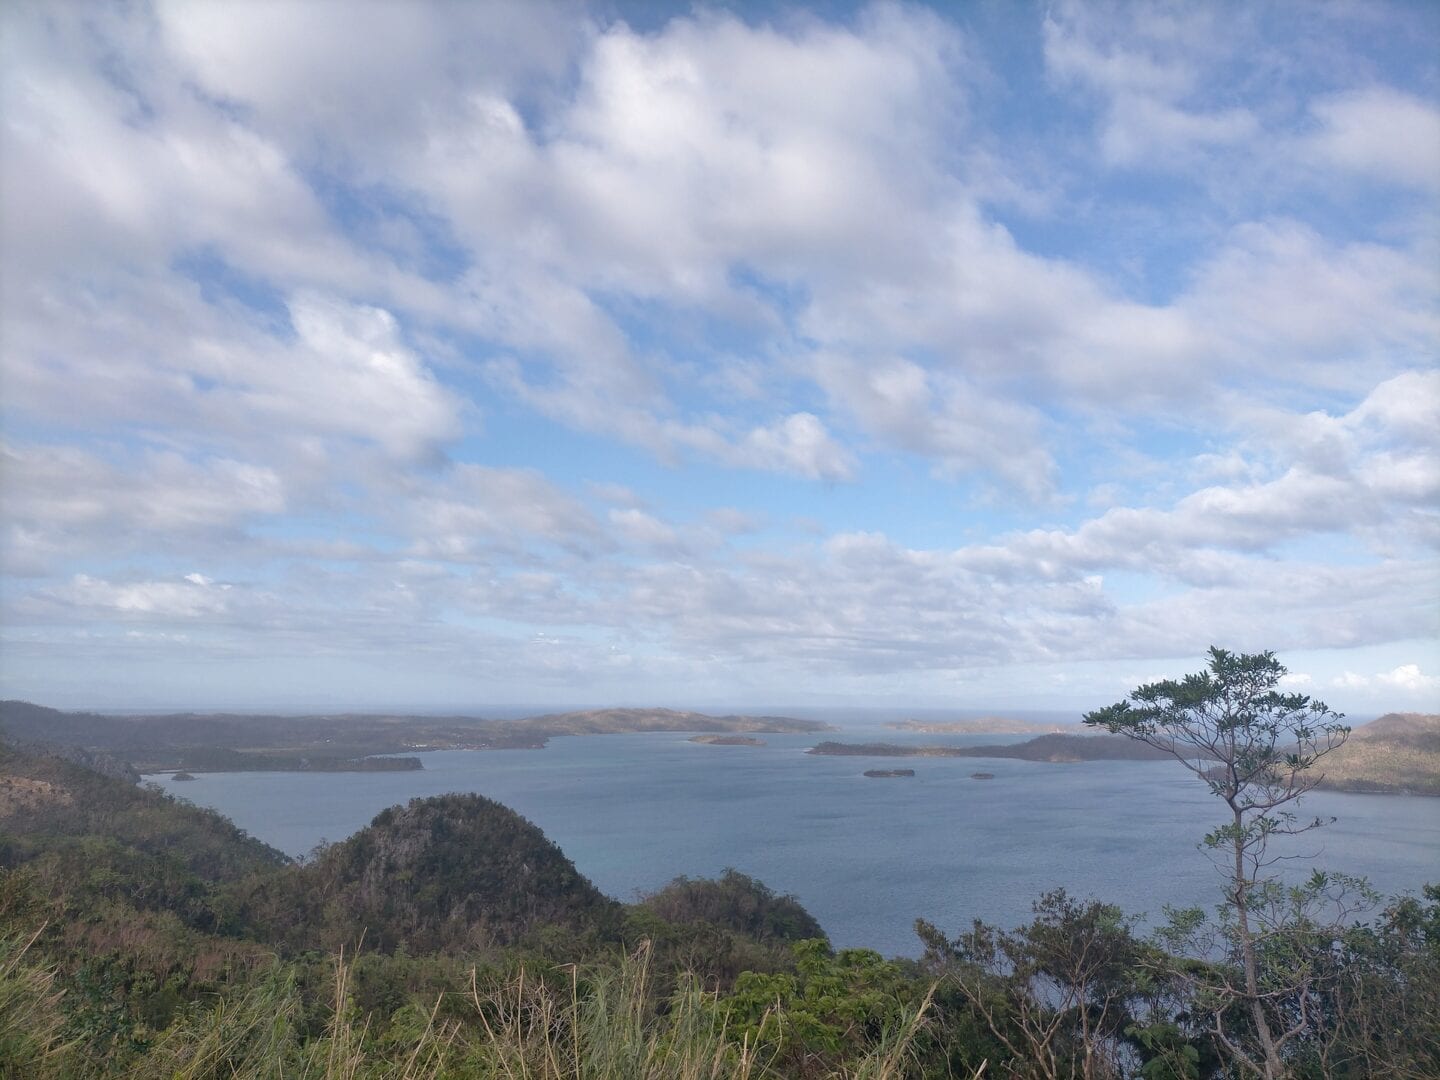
[
  {"x": 1398, "y": 753},
  {"x": 451, "y": 873},
  {"x": 737, "y": 902}
]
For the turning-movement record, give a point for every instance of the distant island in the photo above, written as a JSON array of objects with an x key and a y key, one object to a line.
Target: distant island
[
  {"x": 1054, "y": 748},
  {"x": 726, "y": 740},
  {"x": 985, "y": 725},
  {"x": 889, "y": 772},
  {"x": 1398, "y": 754}
]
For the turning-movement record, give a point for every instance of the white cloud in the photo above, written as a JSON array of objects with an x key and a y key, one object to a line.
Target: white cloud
[
  {"x": 1387, "y": 135},
  {"x": 800, "y": 444},
  {"x": 942, "y": 417},
  {"x": 354, "y": 375},
  {"x": 1408, "y": 677},
  {"x": 65, "y": 499},
  {"x": 150, "y": 600},
  {"x": 479, "y": 509},
  {"x": 1146, "y": 67},
  {"x": 642, "y": 529}
]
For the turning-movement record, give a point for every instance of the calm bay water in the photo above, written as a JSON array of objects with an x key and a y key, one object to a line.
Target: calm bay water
[{"x": 866, "y": 856}]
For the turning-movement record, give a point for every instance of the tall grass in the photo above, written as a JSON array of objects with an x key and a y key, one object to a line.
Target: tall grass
[
  {"x": 605, "y": 1030},
  {"x": 595, "y": 1023},
  {"x": 31, "y": 1020}
]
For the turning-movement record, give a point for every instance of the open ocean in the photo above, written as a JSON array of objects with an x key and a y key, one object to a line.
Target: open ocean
[{"x": 865, "y": 856}]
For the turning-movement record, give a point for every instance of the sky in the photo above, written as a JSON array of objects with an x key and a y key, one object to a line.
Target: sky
[{"x": 978, "y": 355}]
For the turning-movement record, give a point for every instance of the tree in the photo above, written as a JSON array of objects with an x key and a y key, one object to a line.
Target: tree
[
  {"x": 1256, "y": 748},
  {"x": 1060, "y": 995}
]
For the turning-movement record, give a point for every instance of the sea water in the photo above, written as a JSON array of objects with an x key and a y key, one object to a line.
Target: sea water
[{"x": 866, "y": 856}]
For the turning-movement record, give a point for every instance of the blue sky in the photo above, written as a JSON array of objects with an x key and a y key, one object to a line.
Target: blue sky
[{"x": 979, "y": 356}]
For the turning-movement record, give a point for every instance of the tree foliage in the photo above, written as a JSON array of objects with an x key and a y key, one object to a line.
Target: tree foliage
[{"x": 1257, "y": 749}]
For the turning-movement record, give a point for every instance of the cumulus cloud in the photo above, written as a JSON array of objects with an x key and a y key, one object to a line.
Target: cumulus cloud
[
  {"x": 352, "y": 373},
  {"x": 1408, "y": 677},
  {"x": 1405, "y": 680}
]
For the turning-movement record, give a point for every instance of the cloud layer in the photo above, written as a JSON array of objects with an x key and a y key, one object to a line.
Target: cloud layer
[{"x": 434, "y": 353}]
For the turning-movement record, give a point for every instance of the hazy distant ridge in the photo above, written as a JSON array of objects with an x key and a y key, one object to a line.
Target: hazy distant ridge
[{"x": 228, "y": 742}]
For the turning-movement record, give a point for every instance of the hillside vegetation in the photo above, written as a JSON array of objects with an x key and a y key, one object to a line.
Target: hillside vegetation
[{"x": 47, "y": 802}]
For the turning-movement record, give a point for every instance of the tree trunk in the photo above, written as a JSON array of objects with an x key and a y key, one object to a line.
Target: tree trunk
[{"x": 1274, "y": 1067}]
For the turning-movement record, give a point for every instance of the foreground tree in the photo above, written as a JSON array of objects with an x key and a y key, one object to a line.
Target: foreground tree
[
  {"x": 1063, "y": 997},
  {"x": 1257, "y": 749}
]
